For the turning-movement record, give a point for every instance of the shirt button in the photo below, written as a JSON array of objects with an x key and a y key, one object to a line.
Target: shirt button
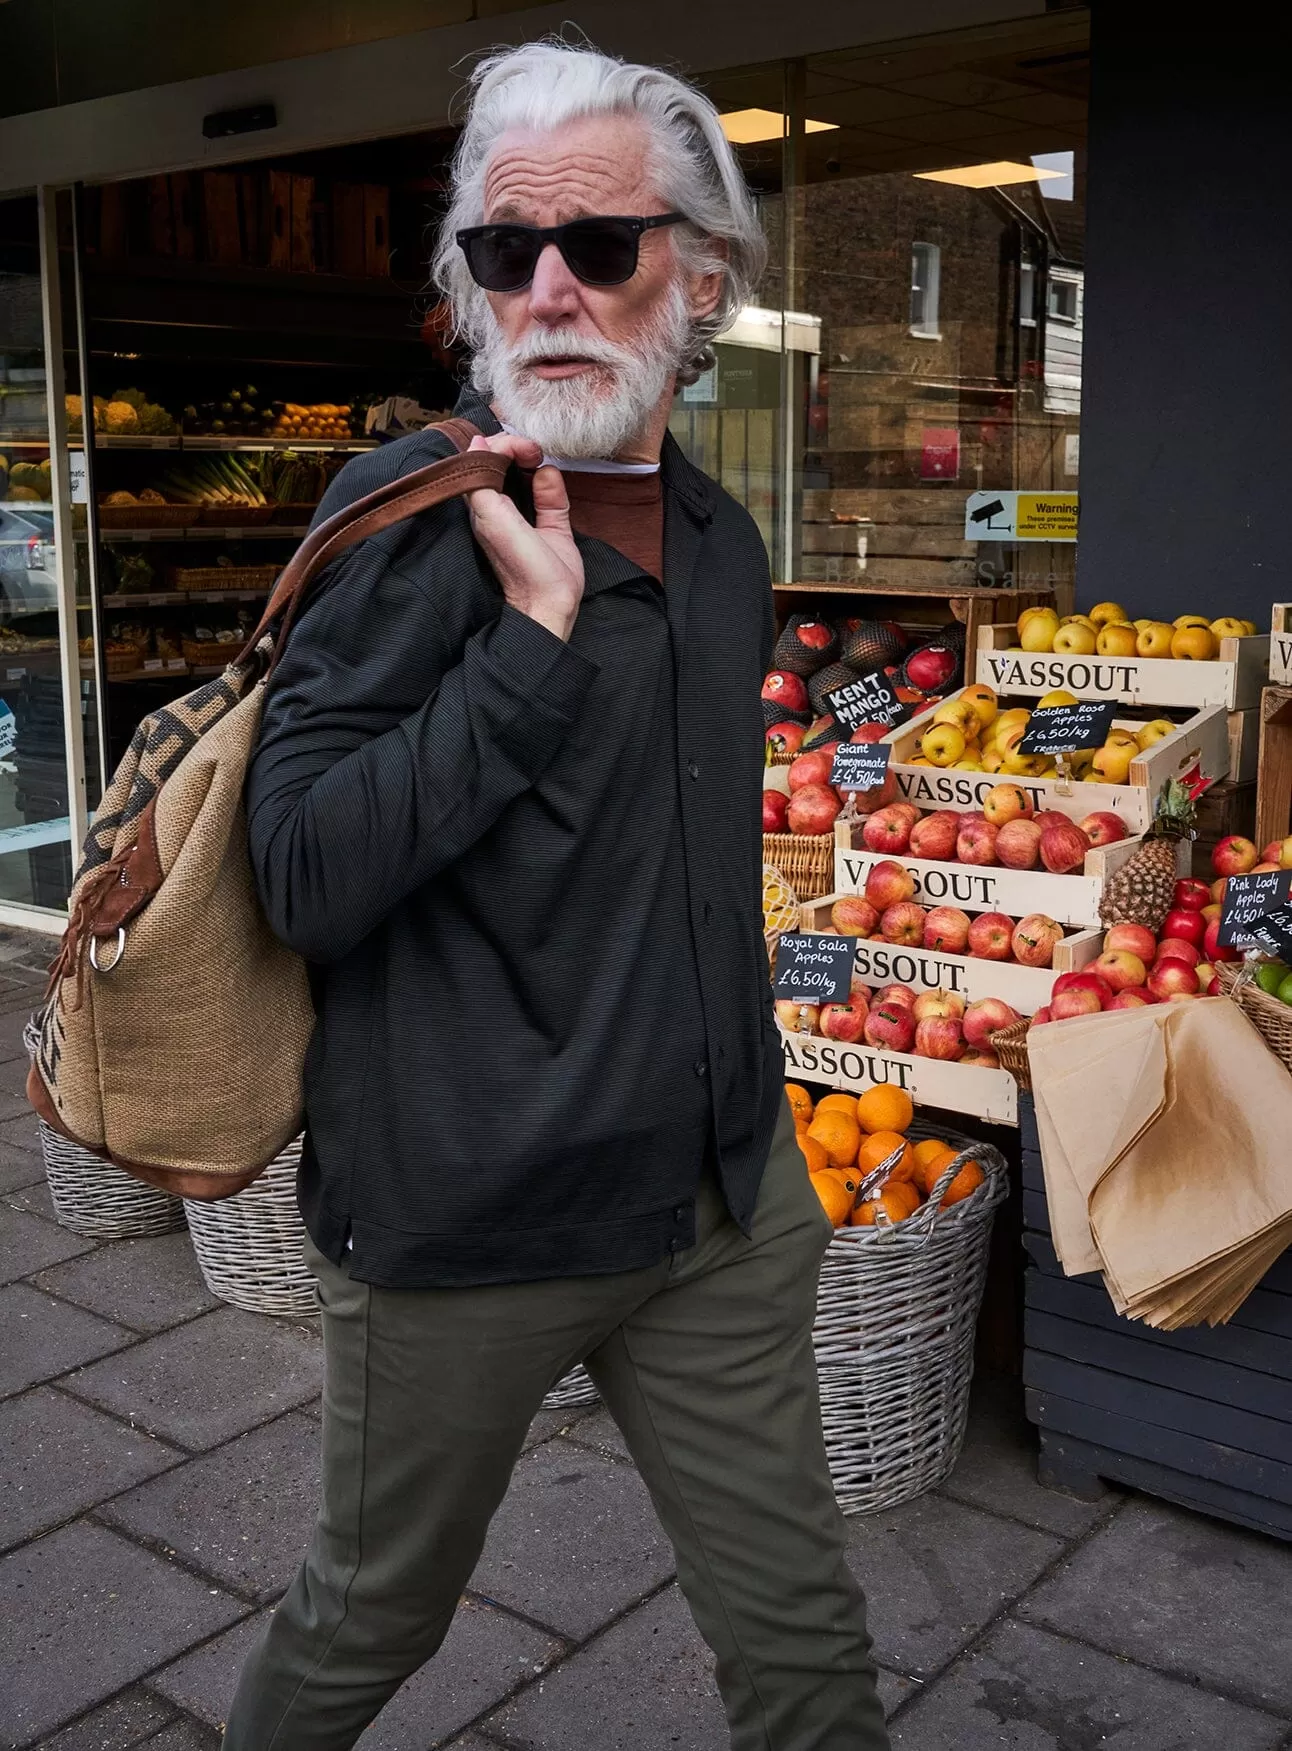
[
  {"x": 701, "y": 1068},
  {"x": 693, "y": 767},
  {"x": 679, "y": 1212}
]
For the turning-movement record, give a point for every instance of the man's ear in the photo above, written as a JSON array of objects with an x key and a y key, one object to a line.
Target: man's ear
[{"x": 705, "y": 290}]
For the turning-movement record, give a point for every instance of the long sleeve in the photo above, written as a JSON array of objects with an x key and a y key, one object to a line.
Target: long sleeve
[{"x": 385, "y": 755}]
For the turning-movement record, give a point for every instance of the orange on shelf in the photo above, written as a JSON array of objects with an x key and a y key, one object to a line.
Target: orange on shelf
[
  {"x": 838, "y": 1103},
  {"x": 813, "y": 1153},
  {"x": 897, "y": 1200},
  {"x": 931, "y": 1157},
  {"x": 885, "y": 1109},
  {"x": 800, "y": 1101},
  {"x": 967, "y": 1181},
  {"x": 838, "y": 1135},
  {"x": 836, "y": 1200},
  {"x": 878, "y": 1147}
]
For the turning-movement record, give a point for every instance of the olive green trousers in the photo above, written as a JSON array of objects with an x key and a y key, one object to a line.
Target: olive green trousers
[{"x": 705, "y": 1362}]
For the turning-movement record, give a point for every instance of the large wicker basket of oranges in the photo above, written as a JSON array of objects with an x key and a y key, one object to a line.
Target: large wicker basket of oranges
[{"x": 900, "y": 1289}]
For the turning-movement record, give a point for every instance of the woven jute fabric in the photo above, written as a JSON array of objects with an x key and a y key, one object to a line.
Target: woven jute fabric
[{"x": 183, "y": 1062}]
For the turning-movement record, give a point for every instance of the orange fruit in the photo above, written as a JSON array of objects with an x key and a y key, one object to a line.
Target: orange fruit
[
  {"x": 813, "y": 1153},
  {"x": 931, "y": 1157},
  {"x": 838, "y": 1103},
  {"x": 838, "y": 1135},
  {"x": 897, "y": 1201},
  {"x": 848, "y": 1178},
  {"x": 969, "y": 1178},
  {"x": 884, "y": 1109},
  {"x": 878, "y": 1147},
  {"x": 836, "y": 1200},
  {"x": 800, "y": 1101}
]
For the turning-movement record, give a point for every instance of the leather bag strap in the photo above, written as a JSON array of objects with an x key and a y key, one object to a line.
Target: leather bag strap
[{"x": 405, "y": 497}]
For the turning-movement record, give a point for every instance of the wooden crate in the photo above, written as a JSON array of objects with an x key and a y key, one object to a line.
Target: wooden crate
[
  {"x": 1027, "y": 988},
  {"x": 933, "y": 1082},
  {"x": 1228, "y": 807},
  {"x": 1233, "y": 681},
  {"x": 1244, "y": 743},
  {"x": 1281, "y": 645},
  {"x": 1202, "y": 740},
  {"x": 1274, "y": 766}
]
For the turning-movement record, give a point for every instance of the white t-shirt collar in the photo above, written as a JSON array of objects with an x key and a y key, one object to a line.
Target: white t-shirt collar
[{"x": 586, "y": 465}]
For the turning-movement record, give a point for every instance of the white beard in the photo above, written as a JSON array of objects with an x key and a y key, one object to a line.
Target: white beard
[{"x": 594, "y": 415}]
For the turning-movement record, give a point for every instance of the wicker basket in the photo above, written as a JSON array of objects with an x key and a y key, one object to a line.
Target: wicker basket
[
  {"x": 894, "y": 1336},
  {"x": 204, "y": 651},
  {"x": 805, "y": 861},
  {"x": 224, "y": 577},
  {"x": 147, "y": 516},
  {"x": 575, "y": 1388},
  {"x": 250, "y": 1247},
  {"x": 1010, "y": 1046},
  {"x": 1271, "y": 1019},
  {"x": 96, "y": 1198}
]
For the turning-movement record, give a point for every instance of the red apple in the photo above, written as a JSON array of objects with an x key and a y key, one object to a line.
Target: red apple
[
  {"x": 946, "y": 930},
  {"x": 853, "y": 915},
  {"x": 989, "y": 936},
  {"x": 908, "y": 809},
  {"x": 1063, "y": 846},
  {"x": 1213, "y": 949},
  {"x": 797, "y": 1018},
  {"x": 1066, "y": 1004},
  {"x": 1034, "y": 940},
  {"x": 903, "y": 924},
  {"x": 1018, "y": 844},
  {"x": 812, "y": 768},
  {"x": 812, "y": 809},
  {"x": 857, "y": 987},
  {"x": 844, "y": 1021},
  {"x": 1006, "y": 802},
  {"x": 1211, "y": 910},
  {"x": 939, "y": 1037},
  {"x": 935, "y": 835},
  {"x": 939, "y": 1002},
  {"x": 980, "y": 1057},
  {"x": 1263, "y": 868},
  {"x": 1086, "y": 980},
  {"x": 1170, "y": 976},
  {"x": 1134, "y": 939},
  {"x": 895, "y": 994},
  {"x": 1043, "y": 1014},
  {"x": 785, "y": 738},
  {"x": 986, "y": 1017},
  {"x": 892, "y": 1026},
  {"x": 1174, "y": 948},
  {"x": 1121, "y": 969},
  {"x": 1184, "y": 926},
  {"x": 1127, "y": 999},
  {"x": 1218, "y": 888},
  {"x": 887, "y": 883},
  {"x": 786, "y": 690},
  {"x": 775, "y": 809},
  {"x": 1190, "y": 895},
  {"x": 888, "y": 829},
  {"x": 976, "y": 840},
  {"x": 1233, "y": 856},
  {"x": 1103, "y": 827}
]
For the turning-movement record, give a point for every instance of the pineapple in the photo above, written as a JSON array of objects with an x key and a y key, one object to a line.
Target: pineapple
[{"x": 1142, "y": 890}]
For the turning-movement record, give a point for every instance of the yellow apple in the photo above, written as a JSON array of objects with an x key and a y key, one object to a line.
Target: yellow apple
[
  {"x": 1126, "y": 738},
  {"x": 1074, "y": 640},
  {"x": 1112, "y": 762},
  {"x": 1228, "y": 627},
  {"x": 1155, "y": 640},
  {"x": 968, "y": 764},
  {"x": 1037, "y": 629},
  {"x": 918, "y": 760},
  {"x": 1060, "y": 696},
  {"x": 1154, "y": 731},
  {"x": 983, "y": 701},
  {"x": 1190, "y": 620},
  {"x": 1139, "y": 625},
  {"x": 942, "y": 743},
  {"x": 1104, "y": 612},
  {"x": 991, "y": 760},
  {"x": 1015, "y": 718},
  {"x": 1023, "y": 765},
  {"x": 1079, "y": 762},
  {"x": 1078, "y": 620},
  {"x": 1116, "y": 639},
  {"x": 961, "y": 714},
  {"x": 1249, "y": 628},
  {"x": 1194, "y": 643}
]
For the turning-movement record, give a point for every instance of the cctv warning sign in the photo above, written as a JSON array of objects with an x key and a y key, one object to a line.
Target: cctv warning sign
[{"x": 1021, "y": 516}]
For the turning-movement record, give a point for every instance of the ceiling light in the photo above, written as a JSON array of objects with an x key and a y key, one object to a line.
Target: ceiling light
[
  {"x": 746, "y": 127},
  {"x": 996, "y": 175}
]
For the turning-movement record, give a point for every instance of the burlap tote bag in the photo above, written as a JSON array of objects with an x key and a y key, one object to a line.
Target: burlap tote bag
[{"x": 174, "y": 1030}]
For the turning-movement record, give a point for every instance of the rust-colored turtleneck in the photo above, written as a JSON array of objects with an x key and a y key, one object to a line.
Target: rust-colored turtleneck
[{"x": 624, "y": 510}]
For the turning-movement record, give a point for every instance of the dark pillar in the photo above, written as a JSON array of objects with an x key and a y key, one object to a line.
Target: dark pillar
[{"x": 1186, "y": 414}]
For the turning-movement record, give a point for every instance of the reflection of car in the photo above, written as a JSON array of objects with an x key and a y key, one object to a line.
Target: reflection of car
[{"x": 27, "y": 571}]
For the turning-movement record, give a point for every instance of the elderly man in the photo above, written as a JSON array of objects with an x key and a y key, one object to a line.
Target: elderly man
[{"x": 506, "y": 804}]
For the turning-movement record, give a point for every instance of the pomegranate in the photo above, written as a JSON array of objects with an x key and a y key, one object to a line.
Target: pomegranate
[{"x": 813, "y": 808}]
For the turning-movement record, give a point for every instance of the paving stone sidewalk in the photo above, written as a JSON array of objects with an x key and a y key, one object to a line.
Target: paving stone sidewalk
[{"x": 160, "y": 1456}]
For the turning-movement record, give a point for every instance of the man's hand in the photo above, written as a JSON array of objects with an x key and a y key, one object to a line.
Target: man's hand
[{"x": 538, "y": 567}]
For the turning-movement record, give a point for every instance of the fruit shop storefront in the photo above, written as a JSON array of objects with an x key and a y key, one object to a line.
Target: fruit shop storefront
[{"x": 212, "y": 292}]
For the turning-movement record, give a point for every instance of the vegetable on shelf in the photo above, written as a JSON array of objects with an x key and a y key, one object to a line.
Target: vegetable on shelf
[{"x": 213, "y": 480}]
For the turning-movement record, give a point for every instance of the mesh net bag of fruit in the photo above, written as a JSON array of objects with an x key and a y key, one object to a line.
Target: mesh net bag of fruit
[{"x": 780, "y": 908}]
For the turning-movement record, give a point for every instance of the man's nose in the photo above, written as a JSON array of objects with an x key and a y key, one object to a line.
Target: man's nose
[{"x": 554, "y": 290}]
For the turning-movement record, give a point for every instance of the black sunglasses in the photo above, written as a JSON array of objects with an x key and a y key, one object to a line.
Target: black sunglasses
[{"x": 600, "y": 252}]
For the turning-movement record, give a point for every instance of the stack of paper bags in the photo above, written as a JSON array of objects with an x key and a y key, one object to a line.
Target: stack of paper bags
[{"x": 1166, "y": 1134}]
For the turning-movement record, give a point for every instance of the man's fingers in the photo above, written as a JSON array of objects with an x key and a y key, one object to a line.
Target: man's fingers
[
  {"x": 521, "y": 450},
  {"x": 551, "y": 501}
]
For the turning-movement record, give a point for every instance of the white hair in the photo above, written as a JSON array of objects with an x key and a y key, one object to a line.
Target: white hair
[{"x": 543, "y": 85}]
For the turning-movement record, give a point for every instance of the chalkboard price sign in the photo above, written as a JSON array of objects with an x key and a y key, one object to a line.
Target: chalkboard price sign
[
  {"x": 868, "y": 699},
  {"x": 1064, "y": 729},
  {"x": 859, "y": 765},
  {"x": 1248, "y": 901},
  {"x": 811, "y": 968},
  {"x": 1273, "y": 933}
]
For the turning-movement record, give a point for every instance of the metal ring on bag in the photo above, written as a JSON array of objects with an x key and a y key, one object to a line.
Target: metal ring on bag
[{"x": 116, "y": 961}]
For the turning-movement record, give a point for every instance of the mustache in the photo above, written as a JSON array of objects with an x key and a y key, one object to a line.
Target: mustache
[{"x": 545, "y": 344}]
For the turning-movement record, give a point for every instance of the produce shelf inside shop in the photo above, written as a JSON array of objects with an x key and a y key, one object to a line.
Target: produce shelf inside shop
[
  {"x": 196, "y": 532},
  {"x": 183, "y": 441}
]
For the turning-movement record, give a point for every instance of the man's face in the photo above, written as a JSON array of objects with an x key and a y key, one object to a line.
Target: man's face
[{"x": 583, "y": 368}]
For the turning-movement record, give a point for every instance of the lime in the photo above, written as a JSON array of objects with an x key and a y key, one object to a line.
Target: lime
[
  {"x": 1284, "y": 992},
  {"x": 1271, "y": 975}
]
